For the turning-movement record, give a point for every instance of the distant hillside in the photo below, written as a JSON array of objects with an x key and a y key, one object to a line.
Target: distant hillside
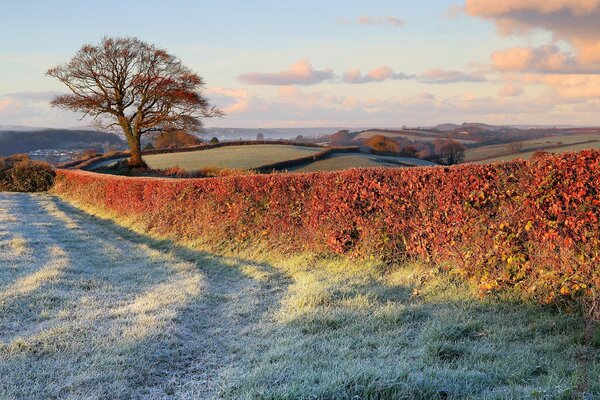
[
  {"x": 269, "y": 133},
  {"x": 23, "y": 141},
  {"x": 474, "y": 127}
]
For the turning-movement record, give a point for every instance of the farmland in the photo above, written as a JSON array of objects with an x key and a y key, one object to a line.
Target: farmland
[
  {"x": 92, "y": 309},
  {"x": 256, "y": 156},
  {"x": 239, "y": 157},
  {"x": 337, "y": 162},
  {"x": 524, "y": 149}
]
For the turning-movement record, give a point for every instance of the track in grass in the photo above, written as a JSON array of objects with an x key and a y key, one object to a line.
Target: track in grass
[{"x": 89, "y": 309}]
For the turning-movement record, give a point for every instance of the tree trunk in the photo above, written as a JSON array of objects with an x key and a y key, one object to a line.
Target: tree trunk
[{"x": 135, "y": 159}]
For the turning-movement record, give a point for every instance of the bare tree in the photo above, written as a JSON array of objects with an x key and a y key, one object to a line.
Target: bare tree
[
  {"x": 135, "y": 86},
  {"x": 452, "y": 152}
]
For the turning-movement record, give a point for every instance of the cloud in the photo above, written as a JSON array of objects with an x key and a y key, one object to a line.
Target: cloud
[
  {"x": 379, "y": 74},
  {"x": 575, "y": 21},
  {"x": 295, "y": 106},
  {"x": 33, "y": 109},
  {"x": 230, "y": 101},
  {"x": 432, "y": 76},
  {"x": 571, "y": 86},
  {"x": 543, "y": 59},
  {"x": 510, "y": 90},
  {"x": 8, "y": 105},
  {"x": 300, "y": 73},
  {"x": 440, "y": 75},
  {"x": 370, "y": 20}
]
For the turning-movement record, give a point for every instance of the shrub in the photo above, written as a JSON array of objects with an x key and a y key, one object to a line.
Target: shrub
[
  {"x": 175, "y": 139},
  {"x": 531, "y": 225},
  {"x": 20, "y": 174},
  {"x": 383, "y": 144}
]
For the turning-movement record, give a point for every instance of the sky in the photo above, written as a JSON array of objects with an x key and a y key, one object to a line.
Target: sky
[{"x": 352, "y": 63}]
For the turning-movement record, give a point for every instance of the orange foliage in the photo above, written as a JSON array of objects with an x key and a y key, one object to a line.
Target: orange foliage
[
  {"x": 533, "y": 225},
  {"x": 383, "y": 144}
]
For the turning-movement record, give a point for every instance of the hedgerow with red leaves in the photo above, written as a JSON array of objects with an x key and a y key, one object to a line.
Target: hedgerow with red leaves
[{"x": 533, "y": 225}]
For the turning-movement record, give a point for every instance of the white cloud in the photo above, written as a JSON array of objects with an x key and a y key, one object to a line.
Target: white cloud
[
  {"x": 510, "y": 90},
  {"x": 371, "y": 20},
  {"x": 33, "y": 109},
  {"x": 440, "y": 75},
  {"x": 379, "y": 74},
  {"x": 575, "y": 21},
  {"x": 300, "y": 73}
]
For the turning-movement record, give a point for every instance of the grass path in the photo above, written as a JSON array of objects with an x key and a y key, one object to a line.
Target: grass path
[{"x": 89, "y": 309}]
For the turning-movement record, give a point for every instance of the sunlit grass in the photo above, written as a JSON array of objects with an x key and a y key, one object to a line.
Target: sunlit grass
[{"x": 239, "y": 157}]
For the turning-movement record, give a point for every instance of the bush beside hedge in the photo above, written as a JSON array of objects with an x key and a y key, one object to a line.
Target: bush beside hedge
[
  {"x": 20, "y": 174},
  {"x": 533, "y": 225}
]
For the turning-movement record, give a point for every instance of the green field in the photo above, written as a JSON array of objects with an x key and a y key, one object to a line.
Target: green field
[
  {"x": 90, "y": 309},
  {"x": 255, "y": 156},
  {"x": 359, "y": 160},
  {"x": 506, "y": 152},
  {"x": 238, "y": 157}
]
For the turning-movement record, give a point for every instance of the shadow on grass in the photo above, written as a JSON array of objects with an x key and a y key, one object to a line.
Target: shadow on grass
[
  {"x": 133, "y": 316},
  {"x": 128, "y": 315}
]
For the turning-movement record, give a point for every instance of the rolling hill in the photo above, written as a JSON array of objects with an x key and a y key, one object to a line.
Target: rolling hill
[{"x": 14, "y": 140}]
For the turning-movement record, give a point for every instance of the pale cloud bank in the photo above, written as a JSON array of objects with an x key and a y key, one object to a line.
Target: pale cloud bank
[
  {"x": 33, "y": 109},
  {"x": 379, "y": 74},
  {"x": 300, "y": 73},
  {"x": 571, "y": 70},
  {"x": 440, "y": 75},
  {"x": 574, "y": 21},
  {"x": 371, "y": 20}
]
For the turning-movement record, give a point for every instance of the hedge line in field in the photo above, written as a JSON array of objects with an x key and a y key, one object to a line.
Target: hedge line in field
[{"x": 529, "y": 224}]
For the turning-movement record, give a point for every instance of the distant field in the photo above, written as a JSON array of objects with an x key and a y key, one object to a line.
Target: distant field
[
  {"x": 255, "y": 156},
  {"x": 410, "y": 135},
  {"x": 345, "y": 161},
  {"x": 239, "y": 157},
  {"x": 504, "y": 152},
  {"x": 528, "y": 154}
]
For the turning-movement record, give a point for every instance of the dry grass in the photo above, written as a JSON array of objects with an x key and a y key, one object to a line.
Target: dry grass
[{"x": 94, "y": 310}]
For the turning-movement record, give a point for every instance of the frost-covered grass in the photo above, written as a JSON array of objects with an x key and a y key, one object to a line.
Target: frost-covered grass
[
  {"x": 237, "y": 157},
  {"x": 90, "y": 309}
]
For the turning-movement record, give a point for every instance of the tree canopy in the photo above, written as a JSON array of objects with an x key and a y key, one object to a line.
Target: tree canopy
[{"x": 129, "y": 84}]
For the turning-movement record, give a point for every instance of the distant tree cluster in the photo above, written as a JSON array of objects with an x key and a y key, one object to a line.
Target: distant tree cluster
[
  {"x": 175, "y": 139},
  {"x": 342, "y": 138},
  {"x": 383, "y": 144},
  {"x": 442, "y": 151}
]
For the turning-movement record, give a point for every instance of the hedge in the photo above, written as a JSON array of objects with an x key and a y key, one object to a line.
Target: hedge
[{"x": 533, "y": 225}]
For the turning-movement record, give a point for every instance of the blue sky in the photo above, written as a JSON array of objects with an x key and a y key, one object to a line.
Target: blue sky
[{"x": 447, "y": 49}]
